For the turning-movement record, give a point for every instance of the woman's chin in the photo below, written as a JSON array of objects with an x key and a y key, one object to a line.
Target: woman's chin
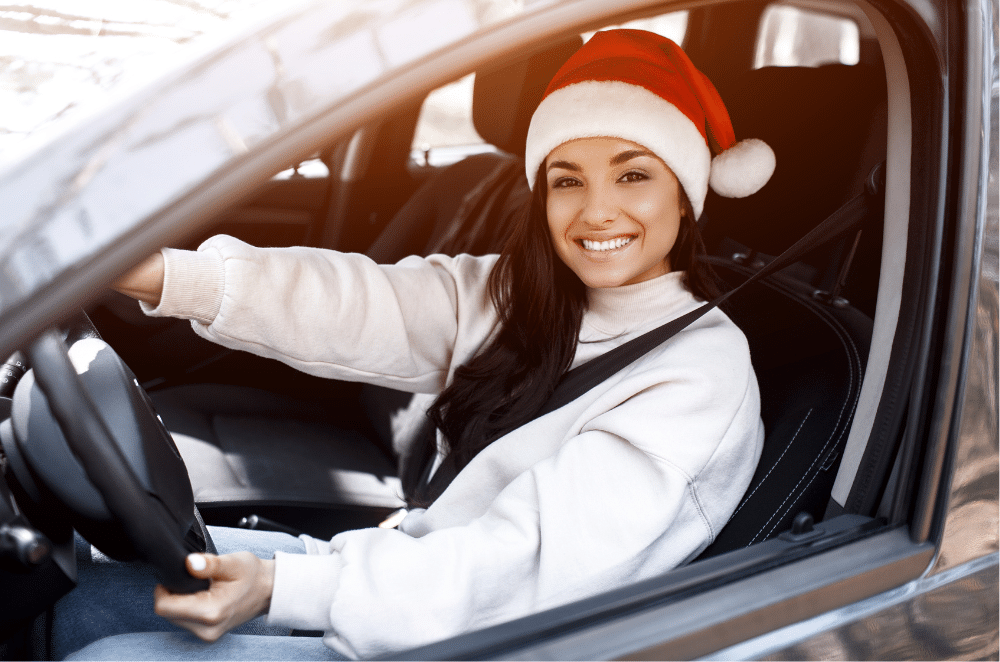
[
  {"x": 604, "y": 280},
  {"x": 614, "y": 276}
]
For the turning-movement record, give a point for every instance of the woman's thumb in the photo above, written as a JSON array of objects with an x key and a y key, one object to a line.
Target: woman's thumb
[{"x": 201, "y": 565}]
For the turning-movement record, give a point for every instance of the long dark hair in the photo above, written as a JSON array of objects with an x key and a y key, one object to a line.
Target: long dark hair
[{"x": 540, "y": 302}]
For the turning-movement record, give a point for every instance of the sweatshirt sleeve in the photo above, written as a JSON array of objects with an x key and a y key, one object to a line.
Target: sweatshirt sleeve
[
  {"x": 623, "y": 500},
  {"x": 333, "y": 314}
]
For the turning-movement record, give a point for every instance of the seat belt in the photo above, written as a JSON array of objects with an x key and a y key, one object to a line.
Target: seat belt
[{"x": 584, "y": 377}]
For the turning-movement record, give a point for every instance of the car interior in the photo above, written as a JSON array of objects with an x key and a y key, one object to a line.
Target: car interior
[
  {"x": 262, "y": 439},
  {"x": 269, "y": 447}
]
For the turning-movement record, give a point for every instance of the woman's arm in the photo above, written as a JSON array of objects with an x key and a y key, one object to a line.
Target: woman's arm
[
  {"x": 144, "y": 282},
  {"x": 332, "y": 314}
]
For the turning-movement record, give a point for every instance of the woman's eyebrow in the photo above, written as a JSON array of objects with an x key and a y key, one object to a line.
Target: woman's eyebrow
[
  {"x": 617, "y": 159},
  {"x": 628, "y": 155},
  {"x": 565, "y": 165}
]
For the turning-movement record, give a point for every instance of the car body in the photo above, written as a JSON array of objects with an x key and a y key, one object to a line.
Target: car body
[{"x": 908, "y": 569}]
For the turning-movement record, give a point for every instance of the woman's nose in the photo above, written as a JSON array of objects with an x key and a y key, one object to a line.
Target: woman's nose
[{"x": 599, "y": 207}]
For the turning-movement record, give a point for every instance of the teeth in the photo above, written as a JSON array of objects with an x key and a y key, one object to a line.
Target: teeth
[{"x": 606, "y": 245}]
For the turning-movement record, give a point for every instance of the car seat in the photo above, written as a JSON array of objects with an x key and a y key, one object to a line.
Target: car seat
[
  {"x": 249, "y": 449},
  {"x": 809, "y": 342},
  {"x": 809, "y": 389}
]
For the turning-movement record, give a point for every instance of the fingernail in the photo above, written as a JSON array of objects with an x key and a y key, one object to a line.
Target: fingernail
[{"x": 198, "y": 562}]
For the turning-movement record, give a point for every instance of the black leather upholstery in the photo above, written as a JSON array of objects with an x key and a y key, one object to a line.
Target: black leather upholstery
[
  {"x": 249, "y": 446},
  {"x": 827, "y": 126},
  {"x": 809, "y": 356}
]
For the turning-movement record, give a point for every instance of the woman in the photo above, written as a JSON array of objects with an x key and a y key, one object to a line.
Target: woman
[{"x": 629, "y": 480}]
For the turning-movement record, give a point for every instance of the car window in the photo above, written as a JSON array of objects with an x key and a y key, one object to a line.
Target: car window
[
  {"x": 313, "y": 168},
  {"x": 672, "y": 25},
  {"x": 445, "y": 131},
  {"x": 794, "y": 37}
]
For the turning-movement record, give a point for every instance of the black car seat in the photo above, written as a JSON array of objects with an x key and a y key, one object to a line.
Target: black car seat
[
  {"x": 251, "y": 450},
  {"x": 809, "y": 345}
]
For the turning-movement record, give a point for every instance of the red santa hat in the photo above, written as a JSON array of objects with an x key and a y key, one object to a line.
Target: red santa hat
[{"x": 642, "y": 87}]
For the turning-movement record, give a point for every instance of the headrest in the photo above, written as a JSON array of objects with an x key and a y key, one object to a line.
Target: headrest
[
  {"x": 823, "y": 124},
  {"x": 505, "y": 97}
]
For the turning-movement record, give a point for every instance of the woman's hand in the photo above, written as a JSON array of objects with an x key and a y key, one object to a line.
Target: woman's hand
[
  {"x": 144, "y": 282},
  {"x": 240, "y": 590}
]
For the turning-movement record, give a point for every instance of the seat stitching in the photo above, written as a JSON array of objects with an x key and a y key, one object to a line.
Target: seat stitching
[
  {"x": 812, "y": 464},
  {"x": 775, "y": 464},
  {"x": 855, "y": 364},
  {"x": 814, "y": 475}
]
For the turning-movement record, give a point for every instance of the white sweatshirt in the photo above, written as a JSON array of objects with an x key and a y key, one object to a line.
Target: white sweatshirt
[{"x": 633, "y": 478}]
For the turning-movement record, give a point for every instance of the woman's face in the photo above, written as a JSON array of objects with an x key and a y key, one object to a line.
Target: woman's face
[{"x": 613, "y": 210}]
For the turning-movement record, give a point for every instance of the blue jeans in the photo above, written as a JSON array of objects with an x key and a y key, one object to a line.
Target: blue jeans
[{"x": 110, "y": 613}]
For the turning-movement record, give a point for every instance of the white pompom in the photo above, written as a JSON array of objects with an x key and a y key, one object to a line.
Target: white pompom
[{"x": 743, "y": 169}]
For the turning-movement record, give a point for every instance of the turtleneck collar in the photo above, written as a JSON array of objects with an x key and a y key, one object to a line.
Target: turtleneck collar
[{"x": 638, "y": 307}]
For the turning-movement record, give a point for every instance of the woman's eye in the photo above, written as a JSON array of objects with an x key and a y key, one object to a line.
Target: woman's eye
[
  {"x": 565, "y": 182},
  {"x": 634, "y": 176}
]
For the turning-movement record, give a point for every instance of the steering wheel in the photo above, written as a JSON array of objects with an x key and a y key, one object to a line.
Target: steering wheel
[{"x": 85, "y": 446}]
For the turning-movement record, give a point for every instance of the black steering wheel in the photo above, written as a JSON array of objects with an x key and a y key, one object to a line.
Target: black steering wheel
[{"x": 85, "y": 446}]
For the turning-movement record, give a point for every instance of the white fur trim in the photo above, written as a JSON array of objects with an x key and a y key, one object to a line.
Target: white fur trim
[
  {"x": 593, "y": 109},
  {"x": 743, "y": 169}
]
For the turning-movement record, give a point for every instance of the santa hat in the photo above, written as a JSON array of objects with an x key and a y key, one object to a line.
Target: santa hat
[{"x": 642, "y": 87}]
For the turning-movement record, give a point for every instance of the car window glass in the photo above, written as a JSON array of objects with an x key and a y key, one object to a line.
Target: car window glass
[
  {"x": 312, "y": 168},
  {"x": 672, "y": 25},
  {"x": 445, "y": 132},
  {"x": 794, "y": 37}
]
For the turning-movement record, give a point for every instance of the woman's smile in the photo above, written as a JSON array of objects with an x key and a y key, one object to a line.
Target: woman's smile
[
  {"x": 599, "y": 246},
  {"x": 613, "y": 210}
]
